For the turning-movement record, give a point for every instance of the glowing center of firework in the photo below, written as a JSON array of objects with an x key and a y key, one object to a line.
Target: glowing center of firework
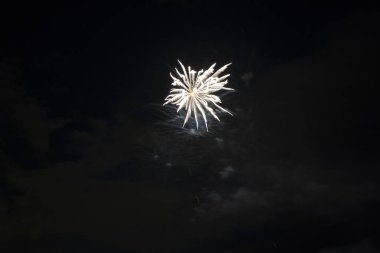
[{"x": 192, "y": 93}]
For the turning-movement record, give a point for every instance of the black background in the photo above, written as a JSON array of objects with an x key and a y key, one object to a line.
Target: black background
[{"x": 91, "y": 161}]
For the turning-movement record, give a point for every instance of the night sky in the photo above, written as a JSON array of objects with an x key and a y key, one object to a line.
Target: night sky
[{"x": 90, "y": 160}]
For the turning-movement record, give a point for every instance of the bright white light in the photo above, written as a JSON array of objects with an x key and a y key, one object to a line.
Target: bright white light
[{"x": 194, "y": 92}]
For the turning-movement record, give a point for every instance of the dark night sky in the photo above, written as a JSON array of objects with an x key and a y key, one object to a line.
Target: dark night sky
[{"x": 91, "y": 162}]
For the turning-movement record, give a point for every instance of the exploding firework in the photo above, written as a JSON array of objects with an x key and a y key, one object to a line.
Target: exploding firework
[{"x": 194, "y": 92}]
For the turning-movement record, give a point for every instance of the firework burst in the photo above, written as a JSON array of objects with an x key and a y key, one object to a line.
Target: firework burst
[{"x": 194, "y": 92}]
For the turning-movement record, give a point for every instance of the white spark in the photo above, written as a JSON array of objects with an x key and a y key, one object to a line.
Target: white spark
[{"x": 194, "y": 91}]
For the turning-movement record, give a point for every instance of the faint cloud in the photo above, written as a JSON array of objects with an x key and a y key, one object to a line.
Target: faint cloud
[
  {"x": 215, "y": 204},
  {"x": 365, "y": 246},
  {"x": 226, "y": 172},
  {"x": 247, "y": 78}
]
